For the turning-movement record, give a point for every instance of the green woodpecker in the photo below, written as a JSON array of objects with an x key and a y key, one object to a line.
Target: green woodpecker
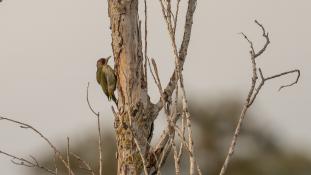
[{"x": 106, "y": 78}]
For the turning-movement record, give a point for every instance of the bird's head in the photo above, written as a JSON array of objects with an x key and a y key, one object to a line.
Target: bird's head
[{"x": 102, "y": 61}]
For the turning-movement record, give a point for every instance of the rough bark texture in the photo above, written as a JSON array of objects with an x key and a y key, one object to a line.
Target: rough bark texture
[{"x": 133, "y": 119}]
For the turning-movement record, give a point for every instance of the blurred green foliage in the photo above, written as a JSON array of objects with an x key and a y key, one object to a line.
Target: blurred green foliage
[{"x": 257, "y": 153}]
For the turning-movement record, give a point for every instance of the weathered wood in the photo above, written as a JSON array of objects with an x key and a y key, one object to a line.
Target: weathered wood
[{"x": 134, "y": 117}]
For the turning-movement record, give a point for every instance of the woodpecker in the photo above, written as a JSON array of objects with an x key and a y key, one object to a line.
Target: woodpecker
[{"x": 106, "y": 78}]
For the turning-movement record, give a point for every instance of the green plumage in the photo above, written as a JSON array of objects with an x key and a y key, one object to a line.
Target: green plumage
[{"x": 106, "y": 78}]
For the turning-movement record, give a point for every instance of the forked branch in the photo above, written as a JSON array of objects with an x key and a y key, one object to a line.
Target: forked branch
[
  {"x": 253, "y": 92},
  {"x": 183, "y": 50},
  {"x": 24, "y": 162},
  {"x": 177, "y": 75},
  {"x": 83, "y": 162},
  {"x": 27, "y": 126}
]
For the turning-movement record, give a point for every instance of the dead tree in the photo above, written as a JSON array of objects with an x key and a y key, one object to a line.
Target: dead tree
[{"x": 136, "y": 113}]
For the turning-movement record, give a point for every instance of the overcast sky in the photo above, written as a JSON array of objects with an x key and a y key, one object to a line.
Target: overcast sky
[{"x": 49, "y": 48}]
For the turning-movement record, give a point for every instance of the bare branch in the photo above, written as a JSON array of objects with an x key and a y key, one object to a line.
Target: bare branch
[
  {"x": 146, "y": 39},
  {"x": 163, "y": 155},
  {"x": 155, "y": 75},
  {"x": 86, "y": 164},
  {"x": 285, "y": 73},
  {"x": 182, "y": 51},
  {"x": 156, "y": 78},
  {"x": 245, "y": 108},
  {"x": 163, "y": 146},
  {"x": 141, "y": 155},
  {"x": 98, "y": 129},
  {"x": 254, "y": 95},
  {"x": 188, "y": 148},
  {"x": 176, "y": 16},
  {"x": 266, "y": 36},
  {"x": 234, "y": 140},
  {"x": 55, "y": 163},
  {"x": 176, "y": 158},
  {"x": 188, "y": 27},
  {"x": 250, "y": 43},
  {"x": 100, "y": 147},
  {"x": 27, "y": 163},
  {"x": 253, "y": 92},
  {"x": 88, "y": 101},
  {"x": 156, "y": 72},
  {"x": 27, "y": 126},
  {"x": 191, "y": 8},
  {"x": 263, "y": 80},
  {"x": 68, "y": 156}
]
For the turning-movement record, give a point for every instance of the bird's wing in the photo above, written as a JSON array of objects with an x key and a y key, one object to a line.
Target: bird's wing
[
  {"x": 111, "y": 79},
  {"x": 98, "y": 75},
  {"x": 103, "y": 80}
]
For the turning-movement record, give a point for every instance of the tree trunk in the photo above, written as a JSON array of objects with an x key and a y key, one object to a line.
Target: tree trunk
[{"x": 133, "y": 120}]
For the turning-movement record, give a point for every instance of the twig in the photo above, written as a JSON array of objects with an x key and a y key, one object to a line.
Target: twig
[
  {"x": 169, "y": 13},
  {"x": 141, "y": 155},
  {"x": 27, "y": 163},
  {"x": 156, "y": 78},
  {"x": 284, "y": 73},
  {"x": 188, "y": 148},
  {"x": 100, "y": 147},
  {"x": 253, "y": 92},
  {"x": 245, "y": 107},
  {"x": 266, "y": 36},
  {"x": 176, "y": 158},
  {"x": 146, "y": 39},
  {"x": 86, "y": 164},
  {"x": 99, "y": 131},
  {"x": 188, "y": 121},
  {"x": 163, "y": 147},
  {"x": 183, "y": 123},
  {"x": 27, "y": 126},
  {"x": 250, "y": 43},
  {"x": 156, "y": 72},
  {"x": 68, "y": 156},
  {"x": 176, "y": 16},
  {"x": 182, "y": 51},
  {"x": 164, "y": 155},
  {"x": 179, "y": 74},
  {"x": 263, "y": 80},
  {"x": 88, "y": 101},
  {"x": 55, "y": 163}
]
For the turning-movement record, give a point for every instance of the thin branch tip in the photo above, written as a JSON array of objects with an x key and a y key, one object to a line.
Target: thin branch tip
[
  {"x": 27, "y": 126},
  {"x": 88, "y": 101},
  {"x": 27, "y": 163},
  {"x": 295, "y": 82},
  {"x": 254, "y": 90}
]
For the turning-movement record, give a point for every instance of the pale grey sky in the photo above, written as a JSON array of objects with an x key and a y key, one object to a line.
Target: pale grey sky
[{"x": 48, "y": 52}]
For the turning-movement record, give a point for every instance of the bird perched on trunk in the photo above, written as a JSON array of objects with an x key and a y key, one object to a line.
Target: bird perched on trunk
[{"x": 106, "y": 78}]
